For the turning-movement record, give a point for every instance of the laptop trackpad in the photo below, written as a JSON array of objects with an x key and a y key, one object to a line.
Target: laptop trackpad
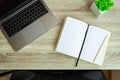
[{"x": 33, "y": 31}]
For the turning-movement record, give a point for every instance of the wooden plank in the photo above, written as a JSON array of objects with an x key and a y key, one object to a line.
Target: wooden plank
[{"x": 40, "y": 54}]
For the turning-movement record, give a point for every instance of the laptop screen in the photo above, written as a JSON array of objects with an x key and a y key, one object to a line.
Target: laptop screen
[{"x": 9, "y": 6}]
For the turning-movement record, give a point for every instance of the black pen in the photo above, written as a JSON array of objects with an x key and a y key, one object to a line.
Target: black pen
[{"x": 82, "y": 46}]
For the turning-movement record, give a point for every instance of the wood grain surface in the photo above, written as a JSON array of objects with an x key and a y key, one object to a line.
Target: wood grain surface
[
  {"x": 4, "y": 78},
  {"x": 40, "y": 54}
]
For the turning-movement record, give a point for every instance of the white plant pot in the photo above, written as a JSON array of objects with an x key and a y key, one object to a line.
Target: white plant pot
[{"x": 95, "y": 10}]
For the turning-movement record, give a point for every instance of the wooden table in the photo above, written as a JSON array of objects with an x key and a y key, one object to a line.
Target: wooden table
[{"x": 40, "y": 54}]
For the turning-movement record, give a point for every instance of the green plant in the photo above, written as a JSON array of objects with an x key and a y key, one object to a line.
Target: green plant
[{"x": 104, "y": 4}]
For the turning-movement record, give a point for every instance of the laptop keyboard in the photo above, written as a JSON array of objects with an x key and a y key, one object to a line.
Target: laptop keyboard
[{"x": 24, "y": 18}]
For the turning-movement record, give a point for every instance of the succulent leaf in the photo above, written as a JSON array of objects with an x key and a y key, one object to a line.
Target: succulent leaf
[{"x": 104, "y": 4}]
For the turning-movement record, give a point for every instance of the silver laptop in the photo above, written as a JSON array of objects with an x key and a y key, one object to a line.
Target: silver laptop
[{"x": 22, "y": 21}]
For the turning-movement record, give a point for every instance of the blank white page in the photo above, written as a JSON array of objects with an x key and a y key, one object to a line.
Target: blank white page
[
  {"x": 71, "y": 38},
  {"x": 93, "y": 42}
]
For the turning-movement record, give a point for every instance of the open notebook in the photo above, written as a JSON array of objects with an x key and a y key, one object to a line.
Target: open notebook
[{"x": 78, "y": 37}]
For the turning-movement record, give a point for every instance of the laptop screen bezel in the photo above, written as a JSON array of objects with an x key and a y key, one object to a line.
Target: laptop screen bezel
[{"x": 14, "y": 9}]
